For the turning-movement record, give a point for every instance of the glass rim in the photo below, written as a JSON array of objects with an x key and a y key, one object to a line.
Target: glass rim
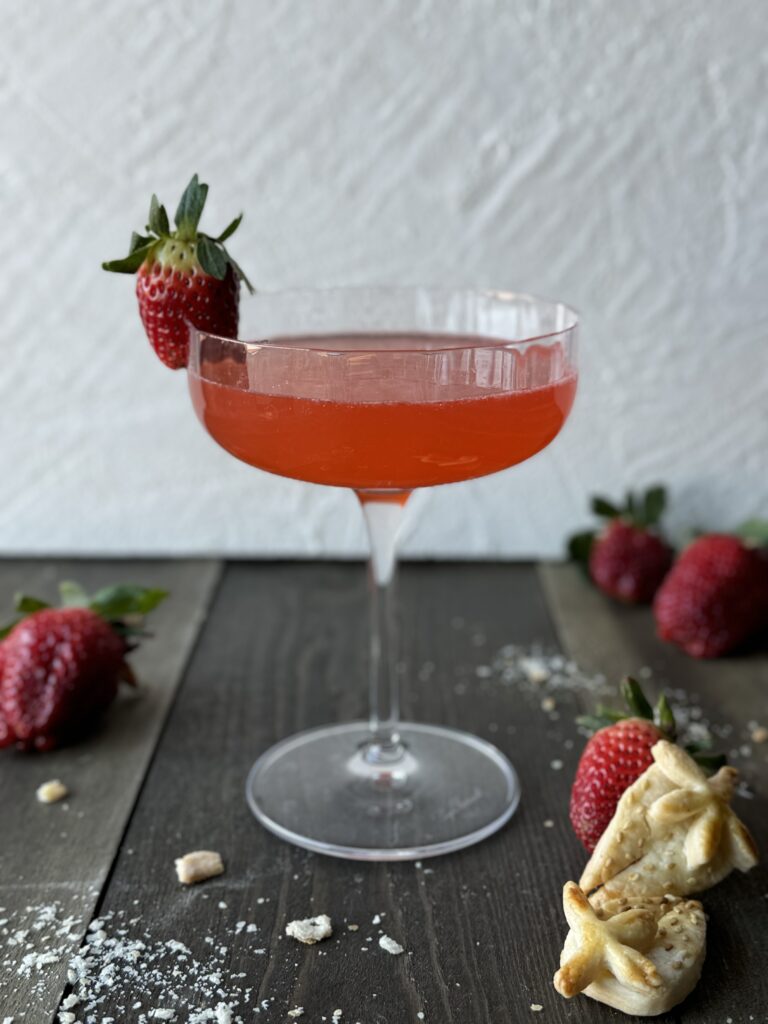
[{"x": 480, "y": 341}]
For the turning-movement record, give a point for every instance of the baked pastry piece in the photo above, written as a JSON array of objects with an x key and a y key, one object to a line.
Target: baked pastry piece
[
  {"x": 673, "y": 832},
  {"x": 641, "y": 955}
]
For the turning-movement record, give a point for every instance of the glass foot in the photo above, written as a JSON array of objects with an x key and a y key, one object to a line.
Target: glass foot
[{"x": 330, "y": 791}]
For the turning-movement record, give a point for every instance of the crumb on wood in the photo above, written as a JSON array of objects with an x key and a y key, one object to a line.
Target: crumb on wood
[
  {"x": 310, "y": 930},
  {"x": 390, "y": 945},
  {"x": 198, "y": 866},
  {"x": 52, "y": 791}
]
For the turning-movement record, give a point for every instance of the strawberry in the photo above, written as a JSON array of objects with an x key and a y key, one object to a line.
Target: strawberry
[
  {"x": 628, "y": 559},
  {"x": 715, "y": 597},
  {"x": 60, "y": 667},
  {"x": 7, "y": 736},
  {"x": 184, "y": 277},
  {"x": 616, "y": 755}
]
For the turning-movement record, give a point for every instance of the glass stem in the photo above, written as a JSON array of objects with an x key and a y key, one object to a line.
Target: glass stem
[{"x": 383, "y": 512}]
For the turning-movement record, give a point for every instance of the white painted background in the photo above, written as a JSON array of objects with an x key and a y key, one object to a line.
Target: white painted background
[{"x": 607, "y": 152}]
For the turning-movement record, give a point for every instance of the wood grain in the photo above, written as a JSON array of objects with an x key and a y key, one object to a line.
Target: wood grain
[
  {"x": 284, "y": 649},
  {"x": 62, "y": 853}
]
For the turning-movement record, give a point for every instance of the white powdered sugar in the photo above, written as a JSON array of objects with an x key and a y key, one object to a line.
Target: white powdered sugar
[
  {"x": 34, "y": 941},
  {"x": 163, "y": 980},
  {"x": 119, "y": 965},
  {"x": 544, "y": 674}
]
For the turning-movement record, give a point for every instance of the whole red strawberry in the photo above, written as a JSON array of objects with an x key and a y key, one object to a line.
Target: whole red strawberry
[
  {"x": 60, "y": 667},
  {"x": 715, "y": 597},
  {"x": 613, "y": 759},
  {"x": 629, "y": 563},
  {"x": 628, "y": 559},
  {"x": 184, "y": 276}
]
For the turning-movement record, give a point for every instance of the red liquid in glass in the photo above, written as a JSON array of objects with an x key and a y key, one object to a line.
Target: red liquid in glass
[{"x": 388, "y": 413}]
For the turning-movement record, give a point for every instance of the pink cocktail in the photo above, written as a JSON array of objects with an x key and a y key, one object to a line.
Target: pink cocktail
[
  {"x": 397, "y": 430},
  {"x": 383, "y": 391}
]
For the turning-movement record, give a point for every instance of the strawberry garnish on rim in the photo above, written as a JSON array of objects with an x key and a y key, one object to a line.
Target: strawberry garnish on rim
[
  {"x": 184, "y": 277},
  {"x": 616, "y": 755},
  {"x": 60, "y": 668}
]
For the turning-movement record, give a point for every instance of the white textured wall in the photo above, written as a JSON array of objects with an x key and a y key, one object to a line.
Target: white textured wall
[{"x": 607, "y": 152}]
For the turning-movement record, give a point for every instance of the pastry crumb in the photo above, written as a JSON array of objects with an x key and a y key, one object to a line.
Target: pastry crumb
[
  {"x": 556, "y": 765},
  {"x": 759, "y": 734},
  {"x": 537, "y": 1007},
  {"x": 548, "y": 704},
  {"x": 297, "y": 1011},
  {"x": 390, "y": 945},
  {"x": 51, "y": 791},
  {"x": 198, "y": 866},
  {"x": 548, "y": 823},
  {"x": 310, "y": 930}
]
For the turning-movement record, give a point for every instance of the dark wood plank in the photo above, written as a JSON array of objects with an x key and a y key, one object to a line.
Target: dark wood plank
[
  {"x": 616, "y": 640},
  {"x": 60, "y": 855},
  {"x": 283, "y": 649}
]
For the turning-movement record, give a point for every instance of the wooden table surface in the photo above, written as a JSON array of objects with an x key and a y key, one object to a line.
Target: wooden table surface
[{"x": 246, "y": 653}]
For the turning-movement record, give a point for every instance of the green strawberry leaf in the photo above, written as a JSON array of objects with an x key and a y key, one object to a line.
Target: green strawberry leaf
[
  {"x": 131, "y": 263},
  {"x": 754, "y": 532},
  {"x": 27, "y": 605},
  {"x": 700, "y": 745},
  {"x": 158, "y": 218},
  {"x": 635, "y": 698},
  {"x": 664, "y": 718},
  {"x": 140, "y": 242},
  {"x": 653, "y": 504},
  {"x": 190, "y": 209},
  {"x": 630, "y": 506},
  {"x": 212, "y": 259},
  {"x": 230, "y": 229},
  {"x": 5, "y": 630},
  {"x": 115, "y": 602},
  {"x": 580, "y": 545},
  {"x": 240, "y": 273},
  {"x": 709, "y": 762},
  {"x": 72, "y": 595},
  {"x": 593, "y": 722},
  {"x": 605, "y": 508},
  {"x": 609, "y": 714}
]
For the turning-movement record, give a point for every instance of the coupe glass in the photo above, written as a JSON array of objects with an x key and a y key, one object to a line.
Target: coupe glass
[{"x": 385, "y": 390}]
